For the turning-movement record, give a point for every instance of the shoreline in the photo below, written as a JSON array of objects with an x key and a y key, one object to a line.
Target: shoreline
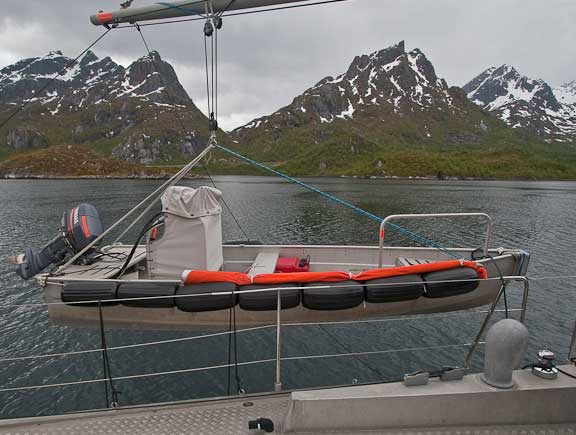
[{"x": 202, "y": 177}]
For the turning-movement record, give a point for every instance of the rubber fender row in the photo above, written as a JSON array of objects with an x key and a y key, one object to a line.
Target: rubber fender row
[{"x": 316, "y": 296}]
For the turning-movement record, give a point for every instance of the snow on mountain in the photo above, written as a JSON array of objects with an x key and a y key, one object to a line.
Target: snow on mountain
[
  {"x": 89, "y": 81},
  {"x": 386, "y": 80},
  {"x": 526, "y": 103},
  {"x": 566, "y": 94},
  {"x": 95, "y": 100}
]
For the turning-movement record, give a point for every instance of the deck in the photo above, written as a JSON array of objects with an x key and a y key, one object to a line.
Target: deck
[{"x": 470, "y": 407}]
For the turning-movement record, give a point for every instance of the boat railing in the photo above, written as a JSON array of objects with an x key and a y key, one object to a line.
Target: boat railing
[
  {"x": 387, "y": 222},
  {"x": 572, "y": 351},
  {"x": 278, "y": 359}
]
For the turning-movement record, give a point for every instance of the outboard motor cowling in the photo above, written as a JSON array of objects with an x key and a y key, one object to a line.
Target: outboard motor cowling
[{"x": 80, "y": 226}]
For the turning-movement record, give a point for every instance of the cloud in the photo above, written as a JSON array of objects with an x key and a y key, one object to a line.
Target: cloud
[{"x": 267, "y": 59}]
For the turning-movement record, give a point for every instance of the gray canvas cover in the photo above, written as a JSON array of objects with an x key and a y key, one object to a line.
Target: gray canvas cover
[
  {"x": 192, "y": 236},
  {"x": 191, "y": 203}
]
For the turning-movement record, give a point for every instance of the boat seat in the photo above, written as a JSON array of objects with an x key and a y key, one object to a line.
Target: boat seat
[
  {"x": 265, "y": 262},
  {"x": 406, "y": 261}
]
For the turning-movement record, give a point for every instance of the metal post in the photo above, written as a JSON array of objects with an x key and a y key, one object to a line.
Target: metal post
[
  {"x": 278, "y": 381},
  {"x": 524, "y": 299},
  {"x": 572, "y": 352},
  {"x": 483, "y": 328}
]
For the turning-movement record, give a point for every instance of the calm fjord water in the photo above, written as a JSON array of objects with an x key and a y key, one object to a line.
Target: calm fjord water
[{"x": 536, "y": 216}]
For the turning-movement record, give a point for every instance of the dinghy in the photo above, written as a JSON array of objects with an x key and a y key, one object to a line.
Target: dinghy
[{"x": 180, "y": 274}]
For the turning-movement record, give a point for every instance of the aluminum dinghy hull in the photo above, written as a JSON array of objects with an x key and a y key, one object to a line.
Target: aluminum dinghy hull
[{"x": 237, "y": 258}]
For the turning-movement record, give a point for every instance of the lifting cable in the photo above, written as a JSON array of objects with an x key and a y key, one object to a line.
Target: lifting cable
[
  {"x": 182, "y": 125},
  {"x": 211, "y": 26}
]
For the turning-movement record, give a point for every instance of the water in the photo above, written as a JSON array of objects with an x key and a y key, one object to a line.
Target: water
[{"x": 535, "y": 216}]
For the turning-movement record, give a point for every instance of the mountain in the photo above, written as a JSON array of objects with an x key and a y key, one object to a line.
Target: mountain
[
  {"x": 126, "y": 112},
  {"x": 388, "y": 114},
  {"x": 526, "y": 103}
]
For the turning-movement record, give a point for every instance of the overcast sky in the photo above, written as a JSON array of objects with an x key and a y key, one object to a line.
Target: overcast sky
[{"x": 267, "y": 59}]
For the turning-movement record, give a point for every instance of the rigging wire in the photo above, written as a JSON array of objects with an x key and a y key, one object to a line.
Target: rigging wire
[
  {"x": 415, "y": 236},
  {"x": 207, "y": 78},
  {"x": 232, "y": 337},
  {"x": 183, "y": 127},
  {"x": 106, "y": 363},
  {"x": 53, "y": 79},
  {"x": 245, "y": 330},
  {"x": 347, "y": 350},
  {"x": 244, "y": 363},
  {"x": 211, "y": 30}
]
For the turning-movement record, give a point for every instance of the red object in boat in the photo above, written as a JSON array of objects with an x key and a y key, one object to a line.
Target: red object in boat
[{"x": 292, "y": 264}]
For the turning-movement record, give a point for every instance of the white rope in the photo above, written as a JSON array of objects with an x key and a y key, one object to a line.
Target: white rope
[{"x": 221, "y": 366}]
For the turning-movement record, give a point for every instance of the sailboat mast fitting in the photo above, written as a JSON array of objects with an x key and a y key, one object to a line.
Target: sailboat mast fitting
[{"x": 178, "y": 9}]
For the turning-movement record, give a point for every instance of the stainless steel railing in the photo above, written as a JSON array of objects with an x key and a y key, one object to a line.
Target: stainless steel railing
[
  {"x": 390, "y": 218},
  {"x": 572, "y": 352},
  {"x": 277, "y": 359}
]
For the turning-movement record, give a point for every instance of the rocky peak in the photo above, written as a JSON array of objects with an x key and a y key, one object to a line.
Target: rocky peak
[
  {"x": 499, "y": 86},
  {"x": 91, "y": 80},
  {"x": 388, "y": 79},
  {"x": 95, "y": 100},
  {"x": 89, "y": 58},
  {"x": 149, "y": 77},
  {"x": 523, "y": 102}
]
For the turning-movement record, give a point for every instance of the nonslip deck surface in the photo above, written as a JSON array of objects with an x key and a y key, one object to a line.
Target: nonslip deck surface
[
  {"x": 107, "y": 266},
  {"x": 230, "y": 417}
]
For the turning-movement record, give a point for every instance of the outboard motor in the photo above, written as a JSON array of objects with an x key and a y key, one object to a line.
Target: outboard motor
[{"x": 80, "y": 226}]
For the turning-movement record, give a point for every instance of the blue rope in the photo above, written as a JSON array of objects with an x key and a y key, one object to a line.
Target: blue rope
[{"x": 415, "y": 236}]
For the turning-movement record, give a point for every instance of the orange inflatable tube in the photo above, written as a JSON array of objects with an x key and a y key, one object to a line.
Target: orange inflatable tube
[
  {"x": 419, "y": 269},
  {"x": 205, "y": 276}
]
